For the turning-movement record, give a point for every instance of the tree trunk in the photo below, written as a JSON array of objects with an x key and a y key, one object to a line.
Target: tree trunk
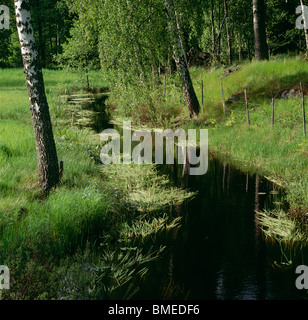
[
  {"x": 305, "y": 23},
  {"x": 240, "y": 56},
  {"x": 213, "y": 30},
  {"x": 219, "y": 36},
  {"x": 228, "y": 31},
  {"x": 48, "y": 167},
  {"x": 180, "y": 60},
  {"x": 247, "y": 37},
  {"x": 261, "y": 48}
]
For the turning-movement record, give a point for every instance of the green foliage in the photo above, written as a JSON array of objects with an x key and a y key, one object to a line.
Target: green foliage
[
  {"x": 132, "y": 36},
  {"x": 145, "y": 106},
  {"x": 79, "y": 52},
  {"x": 116, "y": 271},
  {"x": 51, "y": 244},
  {"x": 280, "y": 226}
]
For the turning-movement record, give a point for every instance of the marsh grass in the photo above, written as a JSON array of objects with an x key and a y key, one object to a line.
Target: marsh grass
[
  {"x": 278, "y": 225},
  {"x": 46, "y": 241},
  {"x": 279, "y": 152},
  {"x": 143, "y": 189},
  {"x": 143, "y": 228}
]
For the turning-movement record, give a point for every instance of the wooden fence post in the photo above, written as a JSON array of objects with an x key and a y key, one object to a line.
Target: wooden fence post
[
  {"x": 223, "y": 97},
  {"x": 174, "y": 92},
  {"x": 202, "y": 95},
  {"x": 247, "y": 110},
  {"x": 273, "y": 112},
  {"x": 303, "y": 105},
  {"x": 165, "y": 86}
]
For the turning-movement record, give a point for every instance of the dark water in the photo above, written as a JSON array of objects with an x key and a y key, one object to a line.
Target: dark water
[{"x": 220, "y": 252}]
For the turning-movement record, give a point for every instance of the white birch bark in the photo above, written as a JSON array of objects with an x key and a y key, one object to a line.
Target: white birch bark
[
  {"x": 45, "y": 146},
  {"x": 180, "y": 60},
  {"x": 305, "y": 21}
]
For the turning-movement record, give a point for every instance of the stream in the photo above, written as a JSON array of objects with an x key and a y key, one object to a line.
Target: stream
[{"x": 220, "y": 253}]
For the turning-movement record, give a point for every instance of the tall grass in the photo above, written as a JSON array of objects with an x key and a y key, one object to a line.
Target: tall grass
[
  {"x": 261, "y": 79},
  {"x": 46, "y": 241}
]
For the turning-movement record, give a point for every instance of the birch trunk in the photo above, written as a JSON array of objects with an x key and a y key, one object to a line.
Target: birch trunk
[
  {"x": 48, "y": 167},
  {"x": 305, "y": 23},
  {"x": 180, "y": 60}
]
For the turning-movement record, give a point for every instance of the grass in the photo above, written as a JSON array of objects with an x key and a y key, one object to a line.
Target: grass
[
  {"x": 55, "y": 242},
  {"x": 279, "y": 226},
  {"x": 261, "y": 79},
  {"x": 279, "y": 153}
]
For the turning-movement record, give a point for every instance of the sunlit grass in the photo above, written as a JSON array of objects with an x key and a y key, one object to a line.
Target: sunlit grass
[
  {"x": 279, "y": 226},
  {"x": 280, "y": 152},
  {"x": 261, "y": 79},
  {"x": 39, "y": 236}
]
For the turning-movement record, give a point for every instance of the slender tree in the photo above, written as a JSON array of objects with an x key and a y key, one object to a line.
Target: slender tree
[
  {"x": 305, "y": 23},
  {"x": 261, "y": 48},
  {"x": 226, "y": 8},
  {"x": 48, "y": 167},
  {"x": 213, "y": 30},
  {"x": 180, "y": 60},
  {"x": 219, "y": 36}
]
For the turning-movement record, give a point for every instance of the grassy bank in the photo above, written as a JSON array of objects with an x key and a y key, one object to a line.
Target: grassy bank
[
  {"x": 63, "y": 246},
  {"x": 93, "y": 236},
  {"x": 279, "y": 152}
]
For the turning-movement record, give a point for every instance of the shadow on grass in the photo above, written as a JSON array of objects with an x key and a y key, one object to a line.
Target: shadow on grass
[{"x": 259, "y": 94}]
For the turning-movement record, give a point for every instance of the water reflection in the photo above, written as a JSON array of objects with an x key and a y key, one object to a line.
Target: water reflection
[{"x": 220, "y": 252}]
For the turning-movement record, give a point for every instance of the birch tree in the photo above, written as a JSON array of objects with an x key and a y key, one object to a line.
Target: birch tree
[
  {"x": 48, "y": 167},
  {"x": 180, "y": 60},
  {"x": 305, "y": 13}
]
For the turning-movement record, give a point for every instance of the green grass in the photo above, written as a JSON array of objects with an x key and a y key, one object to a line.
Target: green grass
[
  {"x": 261, "y": 79},
  {"x": 281, "y": 152},
  {"x": 45, "y": 241},
  {"x": 279, "y": 226}
]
